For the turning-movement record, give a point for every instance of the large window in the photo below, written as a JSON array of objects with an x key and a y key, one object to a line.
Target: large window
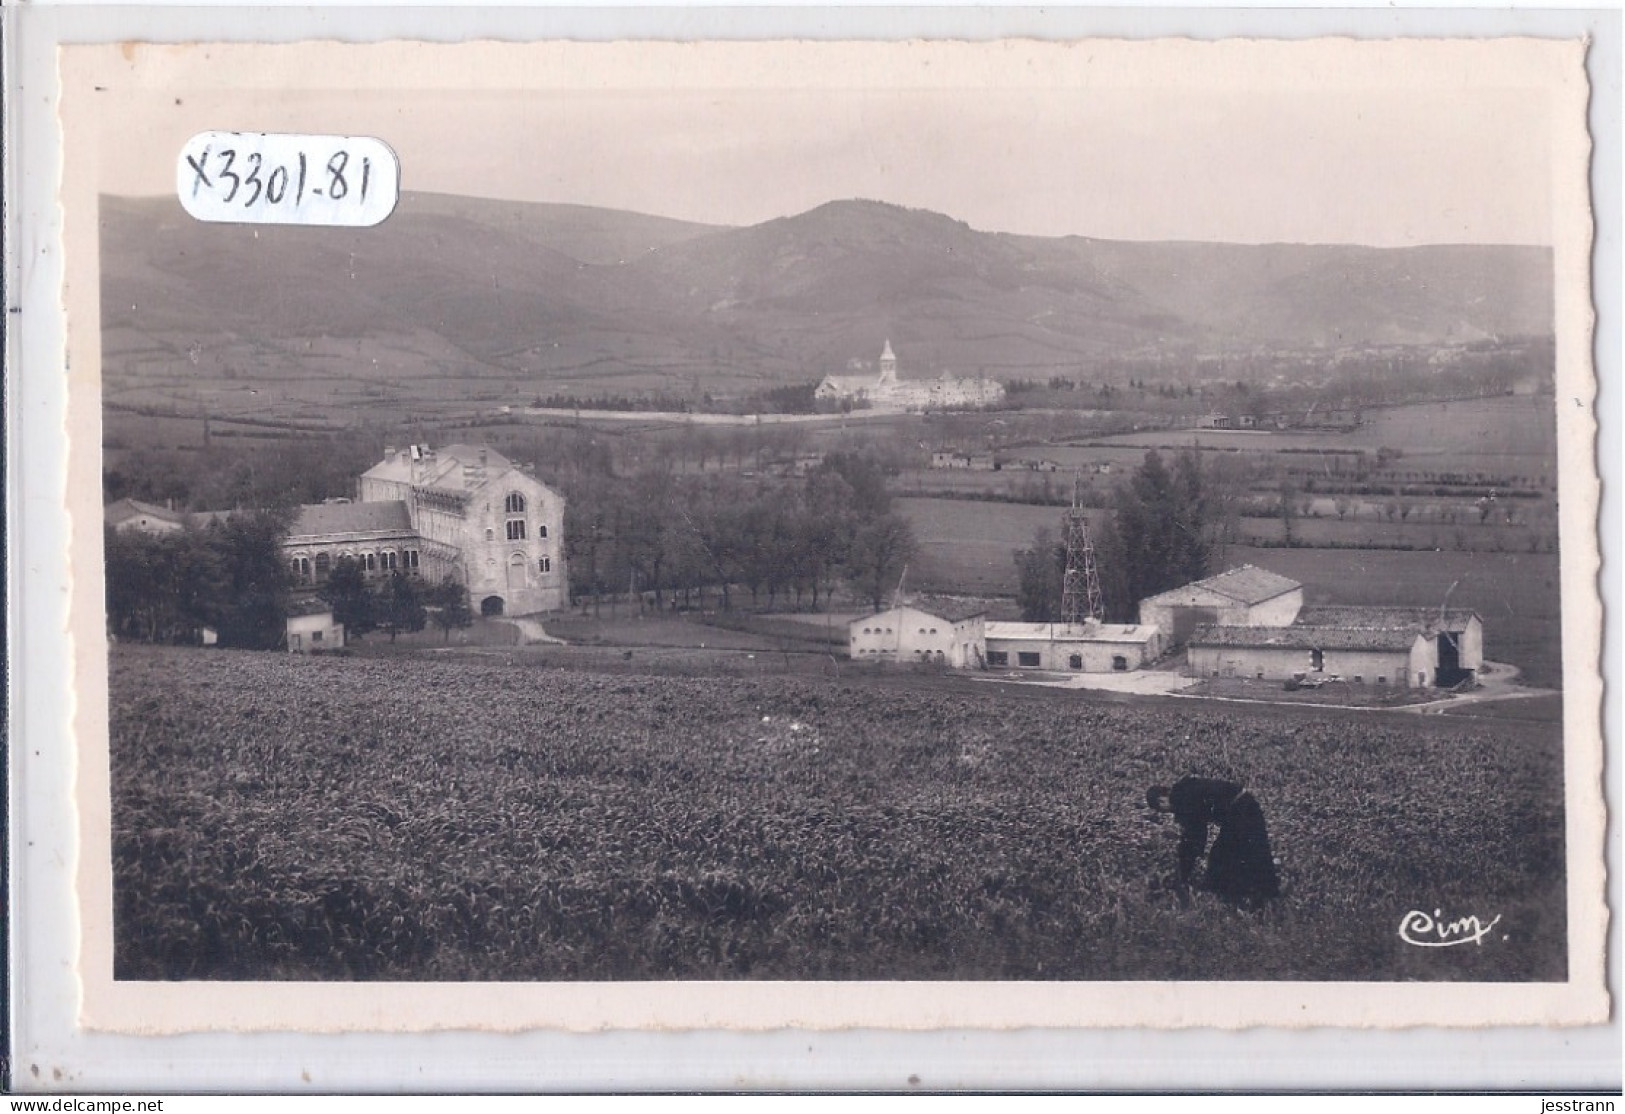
[
  {"x": 1027, "y": 657},
  {"x": 515, "y": 503},
  {"x": 516, "y": 530}
]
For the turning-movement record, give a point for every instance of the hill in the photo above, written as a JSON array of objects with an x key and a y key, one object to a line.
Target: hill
[{"x": 471, "y": 298}]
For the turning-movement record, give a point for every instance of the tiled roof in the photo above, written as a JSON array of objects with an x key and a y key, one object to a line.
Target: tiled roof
[
  {"x": 952, "y": 611},
  {"x": 442, "y": 467},
  {"x": 1419, "y": 619},
  {"x": 311, "y": 606},
  {"x": 1306, "y": 638},
  {"x": 349, "y": 518},
  {"x": 1245, "y": 585},
  {"x": 1248, "y": 584},
  {"x": 123, "y": 509}
]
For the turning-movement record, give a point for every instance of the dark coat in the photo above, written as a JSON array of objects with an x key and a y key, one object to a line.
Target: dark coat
[{"x": 1241, "y": 866}]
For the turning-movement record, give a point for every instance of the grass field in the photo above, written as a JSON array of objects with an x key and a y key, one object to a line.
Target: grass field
[{"x": 287, "y": 818}]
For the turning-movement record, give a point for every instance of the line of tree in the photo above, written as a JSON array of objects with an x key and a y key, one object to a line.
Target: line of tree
[
  {"x": 228, "y": 576},
  {"x": 1165, "y": 528},
  {"x": 397, "y": 604},
  {"x": 669, "y": 536}
]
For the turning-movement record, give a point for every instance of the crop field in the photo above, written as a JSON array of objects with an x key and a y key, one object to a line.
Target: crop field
[
  {"x": 1513, "y": 436},
  {"x": 287, "y": 818}
]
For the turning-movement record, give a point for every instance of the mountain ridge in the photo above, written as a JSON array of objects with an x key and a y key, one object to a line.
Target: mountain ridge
[{"x": 570, "y": 297}]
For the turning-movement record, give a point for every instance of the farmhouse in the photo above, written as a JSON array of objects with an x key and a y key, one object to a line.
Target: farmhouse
[
  {"x": 1243, "y": 597},
  {"x": 133, "y": 514},
  {"x": 946, "y": 633},
  {"x": 886, "y": 390},
  {"x": 1088, "y": 647}
]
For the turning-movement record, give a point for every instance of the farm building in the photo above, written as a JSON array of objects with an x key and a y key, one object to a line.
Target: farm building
[
  {"x": 1088, "y": 647},
  {"x": 946, "y": 633},
  {"x": 1243, "y": 597},
  {"x": 133, "y": 514},
  {"x": 1408, "y": 647},
  {"x": 886, "y": 389},
  {"x": 311, "y": 628},
  {"x": 480, "y": 513}
]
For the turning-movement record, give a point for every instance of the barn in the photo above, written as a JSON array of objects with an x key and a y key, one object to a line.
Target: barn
[
  {"x": 1247, "y": 596},
  {"x": 944, "y": 633},
  {"x": 1408, "y": 647},
  {"x": 1281, "y": 653},
  {"x": 1088, "y": 647}
]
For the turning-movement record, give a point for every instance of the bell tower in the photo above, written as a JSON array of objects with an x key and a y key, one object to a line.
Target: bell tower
[{"x": 888, "y": 364}]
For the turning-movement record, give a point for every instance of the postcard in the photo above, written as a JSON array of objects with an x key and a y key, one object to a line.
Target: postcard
[{"x": 744, "y": 535}]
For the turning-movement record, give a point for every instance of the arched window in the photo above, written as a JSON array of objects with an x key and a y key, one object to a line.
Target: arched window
[
  {"x": 515, "y": 503},
  {"x": 541, "y": 530},
  {"x": 372, "y": 562},
  {"x": 544, "y": 564},
  {"x": 490, "y": 534},
  {"x": 516, "y": 529},
  {"x": 324, "y": 564}
]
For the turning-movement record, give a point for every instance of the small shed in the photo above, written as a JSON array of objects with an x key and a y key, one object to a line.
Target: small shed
[
  {"x": 311, "y": 627},
  {"x": 944, "y": 633}
]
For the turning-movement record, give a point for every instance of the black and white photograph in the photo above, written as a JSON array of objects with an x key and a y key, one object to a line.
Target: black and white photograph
[{"x": 1004, "y": 517}]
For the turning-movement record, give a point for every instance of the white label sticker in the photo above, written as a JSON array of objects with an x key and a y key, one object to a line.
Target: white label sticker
[{"x": 266, "y": 178}]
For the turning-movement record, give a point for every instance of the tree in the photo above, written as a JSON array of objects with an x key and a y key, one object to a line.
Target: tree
[
  {"x": 450, "y": 608},
  {"x": 881, "y": 549},
  {"x": 400, "y": 606},
  {"x": 346, "y": 590},
  {"x": 1161, "y": 539},
  {"x": 1288, "y": 507},
  {"x": 251, "y": 608},
  {"x": 1040, "y": 576}
]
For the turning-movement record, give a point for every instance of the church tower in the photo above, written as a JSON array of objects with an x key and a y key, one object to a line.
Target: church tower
[{"x": 888, "y": 365}]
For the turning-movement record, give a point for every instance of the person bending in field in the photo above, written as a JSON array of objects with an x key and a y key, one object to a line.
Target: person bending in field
[{"x": 1241, "y": 866}]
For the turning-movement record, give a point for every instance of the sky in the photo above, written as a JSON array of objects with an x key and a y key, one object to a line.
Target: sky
[{"x": 1298, "y": 157}]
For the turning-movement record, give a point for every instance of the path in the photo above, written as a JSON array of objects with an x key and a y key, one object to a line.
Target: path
[
  {"x": 1498, "y": 683},
  {"x": 532, "y": 632}
]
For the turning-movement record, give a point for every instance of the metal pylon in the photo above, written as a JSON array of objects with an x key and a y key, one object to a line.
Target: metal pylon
[{"x": 1080, "y": 586}]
